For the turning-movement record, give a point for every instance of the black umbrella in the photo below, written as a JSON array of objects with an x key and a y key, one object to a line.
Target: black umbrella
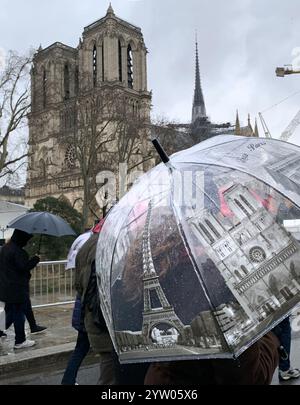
[{"x": 42, "y": 223}]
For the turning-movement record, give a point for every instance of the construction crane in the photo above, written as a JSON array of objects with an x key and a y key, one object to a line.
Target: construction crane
[
  {"x": 286, "y": 70},
  {"x": 288, "y": 132},
  {"x": 264, "y": 126}
]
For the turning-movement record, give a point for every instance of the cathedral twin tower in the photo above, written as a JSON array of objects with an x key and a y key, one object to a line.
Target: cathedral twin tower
[{"x": 110, "y": 55}]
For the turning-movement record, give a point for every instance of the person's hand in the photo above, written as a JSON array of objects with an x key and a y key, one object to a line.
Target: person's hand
[{"x": 36, "y": 257}]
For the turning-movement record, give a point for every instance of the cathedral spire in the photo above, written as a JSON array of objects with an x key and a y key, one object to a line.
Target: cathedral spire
[
  {"x": 198, "y": 104},
  {"x": 249, "y": 121},
  {"x": 110, "y": 10},
  {"x": 256, "y": 133},
  {"x": 237, "y": 130}
]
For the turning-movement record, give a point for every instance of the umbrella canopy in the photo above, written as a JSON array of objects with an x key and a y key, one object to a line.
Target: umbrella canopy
[
  {"x": 76, "y": 246},
  {"x": 194, "y": 261},
  {"x": 42, "y": 223},
  {"x": 79, "y": 242}
]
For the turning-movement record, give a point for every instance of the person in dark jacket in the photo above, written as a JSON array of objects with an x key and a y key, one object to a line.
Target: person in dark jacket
[
  {"x": 286, "y": 210},
  {"x": 2, "y": 333},
  {"x": 94, "y": 323},
  {"x": 15, "y": 267}
]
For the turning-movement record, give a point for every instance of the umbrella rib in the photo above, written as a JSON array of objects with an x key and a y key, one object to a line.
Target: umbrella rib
[
  {"x": 209, "y": 147},
  {"x": 238, "y": 139}
]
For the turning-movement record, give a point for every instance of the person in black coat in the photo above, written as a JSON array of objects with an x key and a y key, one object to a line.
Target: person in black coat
[{"x": 15, "y": 267}]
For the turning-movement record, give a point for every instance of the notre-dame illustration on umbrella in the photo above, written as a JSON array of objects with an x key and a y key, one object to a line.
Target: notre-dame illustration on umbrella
[{"x": 194, "y": 261}]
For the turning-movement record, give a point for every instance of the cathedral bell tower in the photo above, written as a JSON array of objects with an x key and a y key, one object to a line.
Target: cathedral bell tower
[{"x": 110, "y": 57}]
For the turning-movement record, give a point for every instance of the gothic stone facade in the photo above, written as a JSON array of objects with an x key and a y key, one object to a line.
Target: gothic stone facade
[
  {"x": 111, "y": 55},
  {"x": 254, "y": 256}
]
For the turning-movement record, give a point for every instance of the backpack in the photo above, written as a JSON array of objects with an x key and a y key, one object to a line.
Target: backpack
[{"x": 92, "y": 300}]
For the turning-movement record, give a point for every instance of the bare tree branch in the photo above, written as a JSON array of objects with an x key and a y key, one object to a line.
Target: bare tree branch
[
  {"x": 106, "y": 133},
  {"x": 14, "y": 106}
]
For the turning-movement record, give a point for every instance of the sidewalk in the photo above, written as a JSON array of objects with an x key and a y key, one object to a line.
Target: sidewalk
[
  {"x": 52, "y": 349},
  {"x": 45, "y": 362}
]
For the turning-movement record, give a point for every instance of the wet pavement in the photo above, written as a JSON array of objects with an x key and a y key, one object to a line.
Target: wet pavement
[
  {"x": 51, "y": 352},
  {"x": 44, "y": 363},
  {"x": 59, "y": 331},
  {"x": 295, "y": 362}
]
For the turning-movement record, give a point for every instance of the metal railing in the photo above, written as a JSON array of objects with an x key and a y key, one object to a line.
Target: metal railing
[{"x": 51, "y": 284}]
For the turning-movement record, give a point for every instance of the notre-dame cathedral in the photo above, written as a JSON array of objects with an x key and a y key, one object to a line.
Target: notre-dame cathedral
[
  {"x": 111, "y": 54},
  {"x": 111, "y": 58}
]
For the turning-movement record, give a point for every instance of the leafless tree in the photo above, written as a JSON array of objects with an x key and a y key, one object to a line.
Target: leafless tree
[
  {"x": 14, "y": 106},
  {"x": 172, "y": 135},
  {"x": 106, "y": 132}
]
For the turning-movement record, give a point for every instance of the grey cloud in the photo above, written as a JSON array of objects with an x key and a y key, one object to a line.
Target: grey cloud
[{"x": 240, "y": 44}]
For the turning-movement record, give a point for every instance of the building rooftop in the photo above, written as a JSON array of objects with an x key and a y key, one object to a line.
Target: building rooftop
[
  {"x": 55, "y": 45},
  {"x": 8, "y": 191},
  {"x": 110, "y": 14}
]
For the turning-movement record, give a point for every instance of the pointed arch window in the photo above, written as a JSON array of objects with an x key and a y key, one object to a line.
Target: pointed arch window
[
  {"x": 42, "y": 167},
  {"x": 120, "y": 60},
  {"x": 102, "y": 54},
  {"x": 246, "y": 202},
  {"x": 94, "y": 66},
  {"x": 238, "y": 275},
  {"x": 206, "y": 233},
  {"x": 212, "y": 228},
  {"x": 76, "y": 80},
  {"x": 245, "y": 271},
  {"x": 129, "y": 67},
  {"x": 44, "y": 84},
  {"x": 240, "y": 205},
  {"x": 66, "y": 81}
]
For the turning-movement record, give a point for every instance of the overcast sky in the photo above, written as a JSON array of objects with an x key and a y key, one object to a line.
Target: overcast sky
[{"x": 241, "y": 42}]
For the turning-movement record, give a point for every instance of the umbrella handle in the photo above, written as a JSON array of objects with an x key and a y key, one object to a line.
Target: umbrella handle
[
  {"x": 160, "y": 150},
  {"x": 40, "y": 243}
]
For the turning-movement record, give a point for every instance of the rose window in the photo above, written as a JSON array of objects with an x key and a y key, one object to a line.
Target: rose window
[{"x": 257, "y": 254}]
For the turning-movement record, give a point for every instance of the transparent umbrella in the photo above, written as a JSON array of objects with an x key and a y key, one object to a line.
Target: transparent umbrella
[
  {"x": 75, "y": 247},
  {"x": 194, "y": 261}
]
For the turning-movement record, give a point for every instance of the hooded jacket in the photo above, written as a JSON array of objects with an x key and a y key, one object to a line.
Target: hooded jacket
[
  {"x": 15, "y": 267},
  {"x": 98, "y": 336}
]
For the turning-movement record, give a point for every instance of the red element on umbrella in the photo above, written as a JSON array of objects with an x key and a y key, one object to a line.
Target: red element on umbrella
[
  {"x": 137, "y": 217},
  {"x": 268, "y": 202},
  {"x": 97, "y": 228},
  {"x": 225, "y": 210}
]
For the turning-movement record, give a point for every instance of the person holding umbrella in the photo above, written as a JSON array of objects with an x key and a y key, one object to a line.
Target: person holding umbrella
[
  {"x": 15, "y": 267},
  {"x": 286, "y": 211},
  {"x": 2, "y": 333}
]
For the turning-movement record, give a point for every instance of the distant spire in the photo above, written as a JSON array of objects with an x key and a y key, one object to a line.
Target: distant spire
[
  {"x": 249, "y": 122},
  {"x": 237, "y": 130},
  {"x": 198, "y": 104},
  {"x": 110, "y": 10},
  {"x": 256, "y": 133}
]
